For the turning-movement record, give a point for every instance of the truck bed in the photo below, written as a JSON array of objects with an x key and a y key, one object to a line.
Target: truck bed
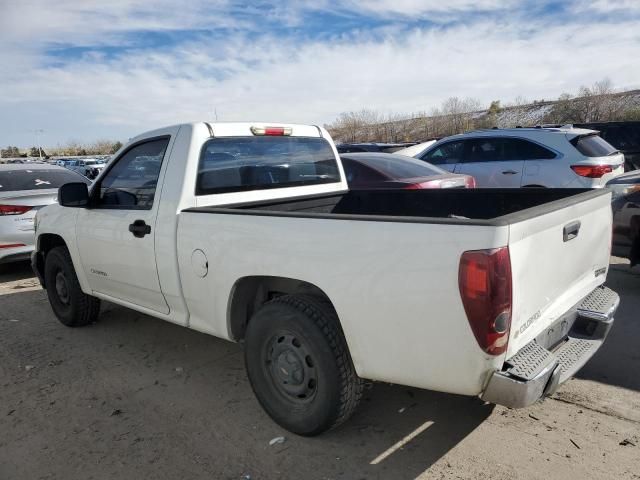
[{"x": 489, "y": 207}]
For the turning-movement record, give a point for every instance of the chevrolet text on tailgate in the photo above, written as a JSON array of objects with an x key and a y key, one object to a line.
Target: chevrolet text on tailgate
[{"x": 247, "y": 231}]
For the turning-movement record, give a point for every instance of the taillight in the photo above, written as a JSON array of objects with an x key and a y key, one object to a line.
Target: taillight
[
  {"x": 12, "y": 245},
  {"x": 14, "y": 209},
  {"x": 484, "y": 279},
  {"x": 592, "y": 171},
  {"x": 470, "y": 182},
  {"x": 271, "y": 131}
]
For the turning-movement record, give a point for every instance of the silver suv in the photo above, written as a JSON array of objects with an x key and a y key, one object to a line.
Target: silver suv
[{"x": 529, "y": 157}]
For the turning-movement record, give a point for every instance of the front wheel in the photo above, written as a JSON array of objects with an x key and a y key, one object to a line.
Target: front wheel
[
  {"x": 70, "y": 304},
  {"x": 299, "y": 365}
]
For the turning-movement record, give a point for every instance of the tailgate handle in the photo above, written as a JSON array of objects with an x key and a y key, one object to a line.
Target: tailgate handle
[{"x": 570, "y": 231}]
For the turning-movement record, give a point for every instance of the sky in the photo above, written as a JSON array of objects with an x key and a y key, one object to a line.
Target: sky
[{"x": 84, "y": 70}]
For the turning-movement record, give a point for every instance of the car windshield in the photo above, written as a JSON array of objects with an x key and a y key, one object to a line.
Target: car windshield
[
  {"x": 36, "y": 179},
  {"x": 398, "y": 166},
  {"x": 593, "y": 146}
]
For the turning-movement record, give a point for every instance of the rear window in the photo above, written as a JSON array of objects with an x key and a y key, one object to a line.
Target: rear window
[
  {"x": 37, "y": 179},
  {"x": 399, "y": 167},
  {"x": 238, "y": 164},
  {"x": 593, "y": 146}
]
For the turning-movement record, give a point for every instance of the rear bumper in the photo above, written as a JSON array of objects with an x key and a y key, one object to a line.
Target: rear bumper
[
  {"x": 15, "y": 254},
  {"x": 537, "y": 369}
]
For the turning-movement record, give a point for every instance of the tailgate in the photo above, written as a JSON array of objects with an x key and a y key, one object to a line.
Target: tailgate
[{"x": 557, "y": 258}]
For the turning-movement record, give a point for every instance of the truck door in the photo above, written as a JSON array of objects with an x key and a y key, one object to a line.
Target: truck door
[{"x": 116, "y": 236}]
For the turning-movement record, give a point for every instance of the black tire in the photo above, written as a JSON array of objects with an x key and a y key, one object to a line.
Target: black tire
[
  {"x": 299, "y": 365},
  {"x": 70, "y": 304}
]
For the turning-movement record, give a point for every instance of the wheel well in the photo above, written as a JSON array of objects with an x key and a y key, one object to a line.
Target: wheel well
[
  {"x": 533, "y": 186},
  {"x": 46, "y": 242},
  {"x": 250, "y": 293}
]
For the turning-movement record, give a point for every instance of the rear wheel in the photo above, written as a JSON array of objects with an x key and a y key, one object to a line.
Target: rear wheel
[
  {"x": 299, "y": 365},
  {"x": 70, "y": 304}
]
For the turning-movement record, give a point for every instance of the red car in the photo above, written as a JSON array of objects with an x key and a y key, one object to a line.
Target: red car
[{"x": 372, "y": 170}]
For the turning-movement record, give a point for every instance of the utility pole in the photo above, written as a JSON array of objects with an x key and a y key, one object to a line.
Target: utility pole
[{"x": 38, "y": 132}]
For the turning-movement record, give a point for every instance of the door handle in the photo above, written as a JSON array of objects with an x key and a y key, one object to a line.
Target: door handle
[
  {"x": 509, "y": 172},
  {"x": 139, "y": 228},
  {"x": 570, "y": 231}
]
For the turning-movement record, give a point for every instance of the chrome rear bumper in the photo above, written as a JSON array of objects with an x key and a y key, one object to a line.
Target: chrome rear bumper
[{"x": 537, "y": 369}]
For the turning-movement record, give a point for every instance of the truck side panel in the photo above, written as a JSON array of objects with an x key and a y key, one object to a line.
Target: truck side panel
[{"x": 394, "y": 287}]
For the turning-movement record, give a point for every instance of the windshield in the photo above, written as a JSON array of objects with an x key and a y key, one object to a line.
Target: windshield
[
  {"x": 253, "y": 163},
  {"x": 397, "y": 166},
  {"x": 40, "y": 179}
]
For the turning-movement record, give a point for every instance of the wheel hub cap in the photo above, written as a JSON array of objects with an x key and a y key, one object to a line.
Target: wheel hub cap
[
  {"x": 61, "y": 288},
  {"x": 291, "y": 367}
]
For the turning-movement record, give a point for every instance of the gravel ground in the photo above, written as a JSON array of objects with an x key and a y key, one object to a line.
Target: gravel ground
[{"x": 134, "y": 397}]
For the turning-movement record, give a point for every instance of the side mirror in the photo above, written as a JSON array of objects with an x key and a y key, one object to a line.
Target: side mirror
[{"x": 74, "y": 194}]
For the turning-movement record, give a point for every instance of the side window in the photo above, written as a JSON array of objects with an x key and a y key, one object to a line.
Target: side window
[
  {"x": 445, "y": 154},
  {"x": 482, "y": 150},
  {"x": 519, "y": 149},
  {"x": 357, "y": 173},
  {"x": 131, "y": 183}
]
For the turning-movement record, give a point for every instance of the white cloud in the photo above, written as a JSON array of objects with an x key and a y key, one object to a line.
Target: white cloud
[
  {"x": 282, "y": 78},
  {"x": 607, "y": 6}
]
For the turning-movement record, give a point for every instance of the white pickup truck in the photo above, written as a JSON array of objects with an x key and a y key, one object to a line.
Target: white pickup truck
[{"x": 248, "y": 232}]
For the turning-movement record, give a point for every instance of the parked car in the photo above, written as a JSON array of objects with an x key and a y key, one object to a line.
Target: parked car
[
  {"x": 529, "y": 157},
  {"x": 626, "y": 216},
  {"x": 23, "y": 190},
  {"x": 415, "y": 150},
  {"x": 370, "y": 147},
  {"x": 89, "y": 167},
  {"x": 386, "y": 170},
  {"x": 249, "y": 232},
  {"x": 625, "y": 136}
]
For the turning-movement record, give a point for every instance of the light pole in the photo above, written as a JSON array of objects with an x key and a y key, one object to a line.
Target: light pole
[{"x": 38, "y": 132}]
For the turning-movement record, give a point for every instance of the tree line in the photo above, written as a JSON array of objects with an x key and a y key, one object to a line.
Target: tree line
[
  {"x": 71, "y": 149},
  {"x": 596, "y": 103}
]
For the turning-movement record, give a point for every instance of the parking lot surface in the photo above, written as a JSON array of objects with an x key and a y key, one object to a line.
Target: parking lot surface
[{"x": 136, "y": 397}]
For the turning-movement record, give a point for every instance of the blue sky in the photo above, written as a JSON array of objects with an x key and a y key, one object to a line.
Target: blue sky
[{"x": 83, "y": 71}]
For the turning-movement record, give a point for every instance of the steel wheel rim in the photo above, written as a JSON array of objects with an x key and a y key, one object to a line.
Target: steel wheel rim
[
  {"x": 291, "y": 367},
  {"x": 62, "y": 288}
]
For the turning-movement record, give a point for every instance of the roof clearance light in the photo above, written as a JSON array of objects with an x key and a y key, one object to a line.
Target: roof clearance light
[{"x": 271, "y": 131}]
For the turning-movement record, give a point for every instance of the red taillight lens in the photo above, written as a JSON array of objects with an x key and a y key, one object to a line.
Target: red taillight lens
[
  {"x": 592, "y": 171},
  {"x": 274, "y": 131},
  {"x": 470, "y": 182},
  {"x": 12, "y": 245},
  {"x": 271, "y": 131},
  {"x": 14, "y": 209},
  {"x": 484, "y": 279}
]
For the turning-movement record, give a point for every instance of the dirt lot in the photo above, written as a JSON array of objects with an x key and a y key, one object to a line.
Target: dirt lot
[{"x": 134, "y": 397}]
